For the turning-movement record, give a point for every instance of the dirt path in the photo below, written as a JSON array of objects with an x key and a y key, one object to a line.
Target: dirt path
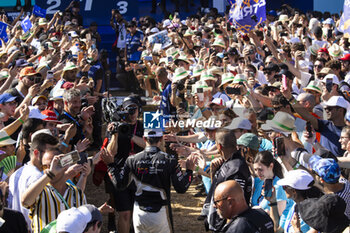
[{"x": 186, "y": 208}]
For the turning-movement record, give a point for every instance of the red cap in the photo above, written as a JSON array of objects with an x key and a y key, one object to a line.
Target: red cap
[
  {"x": 67, "y": 85},
  {"x": 51, "y": 116},
  {"x": 323, "y": 50},
  {"x": 346, "y": 57}
]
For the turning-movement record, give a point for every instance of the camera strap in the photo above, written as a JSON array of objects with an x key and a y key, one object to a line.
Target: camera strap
[
  {"x": 76, "y": 122},
  {"x": 60, "y": 196}
]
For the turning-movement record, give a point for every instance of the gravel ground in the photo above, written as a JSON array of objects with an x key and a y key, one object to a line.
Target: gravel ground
[{"x": 186, "y": 208}]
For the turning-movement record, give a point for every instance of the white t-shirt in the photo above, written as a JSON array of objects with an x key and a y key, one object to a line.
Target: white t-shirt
[
  {"x": 122, "y": 36},
  {"x": 321, "y": 43},
  {"x": 19, "y": 182}
]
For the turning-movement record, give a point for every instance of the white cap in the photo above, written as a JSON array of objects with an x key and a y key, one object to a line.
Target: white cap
[
  {"x": 218, "y": 101},
  {"x": 73, "y": 34},
  {"x": 34, "y": 112},
  {"x": 153, "y": 133},
  {"x": 5, "y": 139},
  {"x": 72, "y": 221},
  {"x": 297, "y": 179},
  {"x": 338, "y": 101},
  {"x": 331, "y": 76},
  {"x": 239, "y": 123},
  {"x": 166, "y": 23},
  {"x": 154, "y": 30},
  {"x": 45, "y": 131}
]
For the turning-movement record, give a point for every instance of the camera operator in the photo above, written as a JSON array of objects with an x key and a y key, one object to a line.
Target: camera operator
[{"x": 126, "y": 140}]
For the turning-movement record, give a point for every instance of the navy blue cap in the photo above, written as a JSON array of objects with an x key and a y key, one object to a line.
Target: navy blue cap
[
  {"x": 6, "y": 98},
  {"x": 21, "y": 63}
]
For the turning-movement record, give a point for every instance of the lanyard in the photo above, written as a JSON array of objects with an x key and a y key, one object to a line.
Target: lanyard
[
  {"x": 132, "y": 142},
  {"x": 76, "y": 122},
  {"x": 60, "y": 196}
]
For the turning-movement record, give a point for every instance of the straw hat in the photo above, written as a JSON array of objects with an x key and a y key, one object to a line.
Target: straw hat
[
  {"x": 226, "y": 78},
  {"x": 283, "y": 18},
  {"x": 216, "y": 70},
  {"x": 239, "y": 78},
  {"x": 25, "y": 36},
  {"x": 182, "y": 57},
  {"x": 197, "y": 70},
  {"x": 163, "y": 59},
  {"x": 5, "y": 139},
  {"x": 172, "y": 52},
  {"x": 281, "y": 122},
  {"x": 69, "y": 66},
  {"x": 313, "y": 49},
  {"x": 219, "y": 42},
  {"x": 54, "y": 40},
  {"x": 42, "y": 21},
  {"x": 314, "y": 86},
  {"x": 207, "y": 75},
  {"x": 4, "y": 75},
  {"x": 201, "y": 84},
  {"x": 326, "y": 70},
  {"x": 335, "y": 51},
  {"x": 188, "y": 32},
  {"x": 180, "y": 73}
]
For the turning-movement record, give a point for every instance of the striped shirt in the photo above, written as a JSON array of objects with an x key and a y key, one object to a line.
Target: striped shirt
[
  {"x": 49, "y": 205},
  {"x": 345, "y": 195}
]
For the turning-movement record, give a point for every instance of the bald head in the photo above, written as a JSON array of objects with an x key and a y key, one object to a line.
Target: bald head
[
  {"x": 229, "y": 198},
  {"x": 230, "y": 188},
  {"x": 308, "y": 100}
]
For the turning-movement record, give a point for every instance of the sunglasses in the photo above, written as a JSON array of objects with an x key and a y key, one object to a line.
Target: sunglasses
[
  {"x": 330, "y": 108},
  {"x": 217, "y": 201},
  {"x": 35, "y": 79},
  {"x": 318, "y": 66}
]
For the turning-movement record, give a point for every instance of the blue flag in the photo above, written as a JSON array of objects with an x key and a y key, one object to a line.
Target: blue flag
[
  {"x": 344, "y": 25},
  {"x": 3, "y": 34},
  {"x": 39, "y": 11},
  {"x": 246, "y": 14},
  {"x": 26, "y": 24}
]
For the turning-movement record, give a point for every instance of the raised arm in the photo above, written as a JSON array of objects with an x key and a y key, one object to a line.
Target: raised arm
[{"x": 303, "y": 112}]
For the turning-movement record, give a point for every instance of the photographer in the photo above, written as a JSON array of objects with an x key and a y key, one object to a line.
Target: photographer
[
  {"x": 118, "y": 24},
  {"x": 126, "y": 140}
]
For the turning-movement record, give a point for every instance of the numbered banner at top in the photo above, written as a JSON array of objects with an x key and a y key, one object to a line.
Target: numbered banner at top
[
  {"x": 94, "y": 10},
  {"x": 246, "y": 14}
]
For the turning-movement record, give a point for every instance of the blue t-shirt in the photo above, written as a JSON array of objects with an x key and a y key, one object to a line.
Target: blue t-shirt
[
  {"x": 133, "y": 42},
  {"x": 259, "y": 200},
  {"x": 96, "y": 73},
  {"x": 330, "y": 136},
  {"x": 165, "y": 106},
  {"x": 287, "y": 225}
]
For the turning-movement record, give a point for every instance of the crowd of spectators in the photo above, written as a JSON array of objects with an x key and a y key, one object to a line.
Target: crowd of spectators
[{"x": 277, "y": 161}]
